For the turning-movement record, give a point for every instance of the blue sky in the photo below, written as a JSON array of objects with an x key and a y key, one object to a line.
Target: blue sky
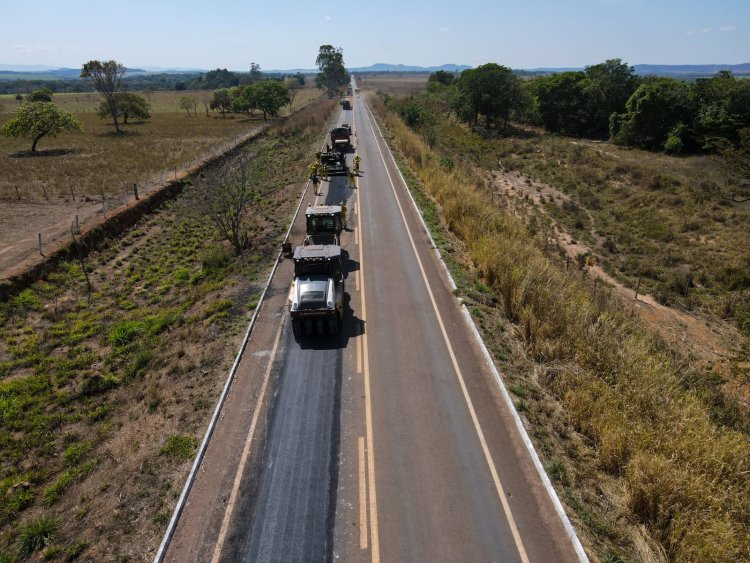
[{"x": 282, "y": 35}]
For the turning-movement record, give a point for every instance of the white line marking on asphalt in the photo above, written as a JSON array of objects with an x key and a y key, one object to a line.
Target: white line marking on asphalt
[
  {"x": 356, "y": 280},
  {"x": 362, "y": 496},
  {"x": 359, "y": 355},
  {"x": 569, "y": 530},
  {"x": 457, "y": 369},
  {"x": 246, "y": 449}
]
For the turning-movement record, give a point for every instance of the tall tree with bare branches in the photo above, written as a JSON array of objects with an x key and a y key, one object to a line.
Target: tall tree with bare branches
[
  {"x": 225, "y": 196},
  {"x": 106, "y": 78}
]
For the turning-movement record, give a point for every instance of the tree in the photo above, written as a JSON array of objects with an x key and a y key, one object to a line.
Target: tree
[
  {"x": 607, "y": 88},
  {"x": 19, "y": 98},
  {"x": 221, "y": 100},
  {"x": 562, "y": 102},
  {"x": 225, "y": 196},
  {"x": 293, "y": 86},
  {"x": 660, "y": 108},
  {"x": 255, "y": 73},
  {"x": 106, "y": 78},
  {"x": 40, "y": 119},
  {"x": 439, "y": 81},
  {"x": 41, "y": 95},
  {"x": 734, "y": 162},
  {"x": 723, "y": 109},
  {"x": 244, "y": 99},
  {"x": 333, "y": 75},
  {"x": 128, "y": 105},
  {"x": 490, "y": 90},
  {"x": 270, "y": 96},
  {"x": 188, "y": 103}
]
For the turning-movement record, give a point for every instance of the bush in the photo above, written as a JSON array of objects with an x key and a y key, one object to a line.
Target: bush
[
  {"x": 179, "y": 447},
  {"x": 36, "y": 535}
]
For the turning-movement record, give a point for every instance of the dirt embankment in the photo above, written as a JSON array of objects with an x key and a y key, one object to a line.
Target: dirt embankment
[
  {"x": 708, "y": 341},
  {"x": 21, "y": 261}
]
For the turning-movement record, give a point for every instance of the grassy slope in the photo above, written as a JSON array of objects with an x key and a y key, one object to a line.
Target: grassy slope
[
  {"x": 102, "y": 399},
  {"x": 627, "y": 445}
]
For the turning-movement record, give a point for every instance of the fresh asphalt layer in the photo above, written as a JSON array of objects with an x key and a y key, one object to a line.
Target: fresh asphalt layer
[{"x": 388, "y": 442}]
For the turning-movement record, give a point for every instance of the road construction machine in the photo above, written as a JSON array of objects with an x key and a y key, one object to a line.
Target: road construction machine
[
  {"x": 341, "y": 137},
  {"x": 316, "y": 299},
  {"x": 334, "y": 160},
  {"x": 324, "y": 224}
]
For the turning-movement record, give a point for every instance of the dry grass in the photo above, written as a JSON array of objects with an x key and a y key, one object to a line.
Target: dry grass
[
  {"x": 96, "y": 159},
  {"x": 686, "y": 477},
  {"x": 393, "y": 83}
]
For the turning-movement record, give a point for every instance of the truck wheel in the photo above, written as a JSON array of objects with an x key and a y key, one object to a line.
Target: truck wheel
[
  {"x": 308, "y": 326},
  {"x": 333, "y": 326}
]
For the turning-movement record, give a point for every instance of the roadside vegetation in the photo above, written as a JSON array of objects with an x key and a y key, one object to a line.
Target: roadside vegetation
[
  {"x": 104, "y": 392},
  {"x": 649, "y": 463}
]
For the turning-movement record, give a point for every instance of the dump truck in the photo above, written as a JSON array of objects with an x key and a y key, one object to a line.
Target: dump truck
[
  {"x": 335, "y": 161},
  {"x": 324, "y": 224},
  {"x": 341, "y": 137},
  {"x": 346, "y": 104},
  {"x": 316, "y": 299}
]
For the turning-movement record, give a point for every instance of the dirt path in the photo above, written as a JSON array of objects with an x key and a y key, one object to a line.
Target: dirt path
[
  {"x": 21, "y": 222},
  {"x": 711, "y": 342}
]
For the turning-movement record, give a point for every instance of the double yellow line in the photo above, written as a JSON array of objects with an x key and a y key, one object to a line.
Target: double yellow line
[{"x": 366, "y": 448}]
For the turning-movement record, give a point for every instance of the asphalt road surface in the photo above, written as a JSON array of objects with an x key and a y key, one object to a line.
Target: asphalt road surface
[{"x": 391, "y": 441}]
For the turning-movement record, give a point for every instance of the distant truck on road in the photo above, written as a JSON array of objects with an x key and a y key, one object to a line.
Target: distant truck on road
[
  {"x": 346, "y": 104},
  {"x": 316, "y": 299}
]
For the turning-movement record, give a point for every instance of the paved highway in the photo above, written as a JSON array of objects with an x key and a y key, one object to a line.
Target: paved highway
[{"x": 390, "y": 442}]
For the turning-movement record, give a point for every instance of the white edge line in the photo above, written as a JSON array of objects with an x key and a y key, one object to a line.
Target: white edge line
[
  {"x": 569, "y": 530},
  {"x": 217, "y": 411}
]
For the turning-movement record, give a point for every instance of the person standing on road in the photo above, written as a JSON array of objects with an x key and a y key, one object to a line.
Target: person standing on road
[
  {"x": 357, "y": 160},
  {"x": 324, "y": 171},
  {"x": 350, "y": 176},
  {"x": 343, "y": 214},
  {"x": 315, "y": 183}
]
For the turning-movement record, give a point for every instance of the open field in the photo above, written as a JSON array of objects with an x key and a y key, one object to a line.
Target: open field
[
  {"x": 44, "y": 194},
  {"x": 103, "y": 396},
  {"x": 87, "y": 163},
  {"x": 396, "y": 84},
  {"x": 652, "y": 464}
]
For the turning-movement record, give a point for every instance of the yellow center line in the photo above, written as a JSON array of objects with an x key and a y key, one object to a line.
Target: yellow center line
[
  {"x": 362, "y": 496},
  {"x": 480, "y": 433},
  {"x": 373, "y": 505}
]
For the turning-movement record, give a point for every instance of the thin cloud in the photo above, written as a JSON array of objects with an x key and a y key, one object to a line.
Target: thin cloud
[
  {"x": 728, "y": 28},
  {"x": 30, "y": 49},
  {"x": 445, "y": 29}
]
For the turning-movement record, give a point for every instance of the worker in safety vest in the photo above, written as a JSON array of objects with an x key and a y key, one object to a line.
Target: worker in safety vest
[
  {"x": 357, "y": 160},
  {"x": 350, "y": 176},
  {"x": 343, "y": 214},
  {"x": 324, "y": 171},
  {"x": 315, "y": 183}
]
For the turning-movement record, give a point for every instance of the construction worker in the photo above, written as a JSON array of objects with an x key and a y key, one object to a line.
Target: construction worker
[
  {"x": 350, "y": 176},
  {"x": 315, "y": 183},
  {"x": 343, "y": 214},
  {"x": 313, "y": 169},
  {"x": 324, "y": 171},
  {"x": 357, "y": 160}
]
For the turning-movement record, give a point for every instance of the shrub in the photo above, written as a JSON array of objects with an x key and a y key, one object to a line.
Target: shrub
[
  {"x": 179, "y": 447},
  {"x": 36, "y": 535}
]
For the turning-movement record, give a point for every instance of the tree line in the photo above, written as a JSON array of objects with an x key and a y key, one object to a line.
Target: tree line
[{"x": 604, "y": 101}]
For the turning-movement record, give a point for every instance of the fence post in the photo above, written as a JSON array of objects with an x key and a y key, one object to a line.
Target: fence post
[
  {"x": 40, "y": 244},
  {"x": 135, "y": 190}
]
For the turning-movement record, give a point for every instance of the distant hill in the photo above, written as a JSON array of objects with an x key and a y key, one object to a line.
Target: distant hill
[
  {"x": 689, "y": 71},
  {"x": 385, "y": 67}
]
